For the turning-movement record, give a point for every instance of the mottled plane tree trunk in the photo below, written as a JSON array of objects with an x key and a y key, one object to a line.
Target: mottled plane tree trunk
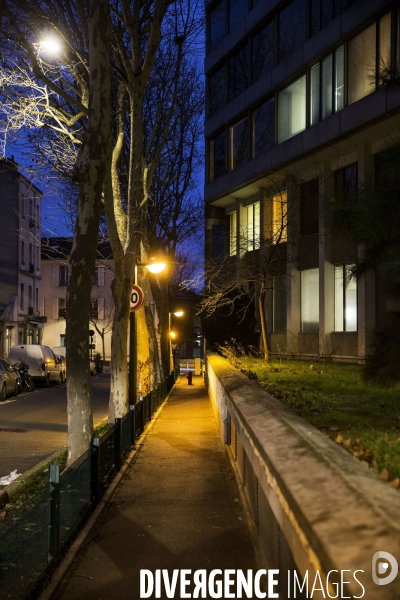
[{"x": 90, "y": 167}]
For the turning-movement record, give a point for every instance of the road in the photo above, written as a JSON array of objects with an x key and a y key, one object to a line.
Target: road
[{"x": 34, "y": 425}]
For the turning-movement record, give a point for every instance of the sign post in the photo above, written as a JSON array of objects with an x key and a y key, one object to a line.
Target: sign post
[{"x": 136, "y": 302}]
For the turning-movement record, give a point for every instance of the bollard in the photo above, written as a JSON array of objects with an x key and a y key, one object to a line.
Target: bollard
[{"x": 190, "y": 377}]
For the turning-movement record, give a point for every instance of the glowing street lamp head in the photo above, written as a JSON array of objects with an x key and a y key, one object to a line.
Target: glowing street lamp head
[
  {"x": 155, "y": 266},
  {"x": 179, "y": 313},
  {"x": 172, "y": 334},
  {"x": 51, "y": 45}
]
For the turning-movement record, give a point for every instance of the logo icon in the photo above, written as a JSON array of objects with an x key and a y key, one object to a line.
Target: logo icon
[{"x": 380, "y": 568}]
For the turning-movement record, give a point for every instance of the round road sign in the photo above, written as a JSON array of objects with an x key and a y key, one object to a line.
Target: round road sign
[{"x": 136, "y": 298}]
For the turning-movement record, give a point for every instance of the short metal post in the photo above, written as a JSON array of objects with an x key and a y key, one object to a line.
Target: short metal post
[
  {"x": 54, "y": 516},
  {"x": 117, "y": 444},
  {"x": 227, "y": 430},
  {"x": 142, "y": 412},
  {"x": 133, "y": 419},
  {"x": 95, "y": 470}
]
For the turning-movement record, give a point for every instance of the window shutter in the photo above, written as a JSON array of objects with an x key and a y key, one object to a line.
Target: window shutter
[
  {"x": 56, "y": 274},
  {"x": 55, "y": 309},
  {"x": 100, "y": 276},
  {"x": 100, "y": 309},
  {"x": 41, "y": 307}
]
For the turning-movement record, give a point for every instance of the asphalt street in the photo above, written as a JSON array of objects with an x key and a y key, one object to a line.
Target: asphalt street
[{"x": 34, "y": 425}]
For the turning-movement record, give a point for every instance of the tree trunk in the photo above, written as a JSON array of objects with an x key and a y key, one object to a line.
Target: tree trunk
[
  {"x": 160, "y": 293},
  {"x": 263, "y": 322},
  {"x": 89, "y": 171},
  {"x": 119, "y": 397}
]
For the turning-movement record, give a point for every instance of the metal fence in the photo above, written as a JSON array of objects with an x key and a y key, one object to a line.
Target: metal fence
[{"x": 33, "y": 538}]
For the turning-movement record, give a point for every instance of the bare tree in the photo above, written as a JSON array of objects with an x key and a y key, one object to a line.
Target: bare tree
[
  {"x": 243, "y": 277},
  {"x": 66, "y": 91}
]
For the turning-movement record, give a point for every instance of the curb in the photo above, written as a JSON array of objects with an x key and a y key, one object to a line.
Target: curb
[{"x": 61, "y": 571}]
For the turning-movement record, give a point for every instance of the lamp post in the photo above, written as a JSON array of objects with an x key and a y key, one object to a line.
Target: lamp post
[
  {"x": 136, "y": 301},
  {"x": 172, "y": 335}
]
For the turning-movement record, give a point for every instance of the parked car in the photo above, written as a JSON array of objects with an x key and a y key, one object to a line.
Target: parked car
[
  {"x": 61, "y": 351},
  {"x": 44, "y": 366},
  {"x": 8, "y": 381}
]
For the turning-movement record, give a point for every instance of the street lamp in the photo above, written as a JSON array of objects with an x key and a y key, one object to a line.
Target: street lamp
[
  {"x": 172, "y": 335},
  {"x": 154, "y": 266}
]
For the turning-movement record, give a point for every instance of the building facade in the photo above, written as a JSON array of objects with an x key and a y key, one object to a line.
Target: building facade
[
  {"x": 297, "y": 118},
  {"x": 20, "y": 270},
  {"x": 55, "y": 252}
]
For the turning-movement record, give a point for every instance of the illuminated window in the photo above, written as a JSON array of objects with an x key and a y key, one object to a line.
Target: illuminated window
[
  {"x": 309, "y": 281},
  {"x": 327, "y": 86},
  {"x": 292, "y": 109},
  {"x": 253, "y": 226},
  {"x": 279, "y": 218},
  {"x": 232, "y": 234},
  {"x": 345, "y": 299},
  {"x": 361, "y": 64}
]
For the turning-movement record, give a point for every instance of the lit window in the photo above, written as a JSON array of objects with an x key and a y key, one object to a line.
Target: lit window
[
  {"x": 309, "y": 282},
  {"x": 327, "y": 86},
  {"x": 292, "y": 109},
  {"x": 238, "y": 144},
  {"x": 232, "y": 234},
  {"x": 252, "y": 241},
  {"x": 361, "y": 64},
  {"x": 279, "y": 218},
  {"x": 345, "y": 299},
  {"x": 384, "y": 41},
  {"x": 62, "y": 308}
]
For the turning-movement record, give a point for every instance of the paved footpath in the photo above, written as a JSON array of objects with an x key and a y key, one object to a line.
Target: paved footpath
[{"x": 178, "y": 507}]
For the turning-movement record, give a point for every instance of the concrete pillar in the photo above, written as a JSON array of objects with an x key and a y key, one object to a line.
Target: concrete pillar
[
  {"x": 326, "y": 268},
  {"x": 366, "y": 285},
  {"x": 293, "y": 274}
]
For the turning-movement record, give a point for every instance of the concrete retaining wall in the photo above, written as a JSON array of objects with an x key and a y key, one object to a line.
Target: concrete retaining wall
[{"x": 315, "y": 507}]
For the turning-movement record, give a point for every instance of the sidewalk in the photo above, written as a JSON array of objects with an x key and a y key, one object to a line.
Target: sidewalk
[{"x": 178, "y": 507}]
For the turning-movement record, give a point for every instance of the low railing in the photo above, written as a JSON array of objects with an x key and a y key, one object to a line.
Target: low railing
[{"x": 33, "y": 538}]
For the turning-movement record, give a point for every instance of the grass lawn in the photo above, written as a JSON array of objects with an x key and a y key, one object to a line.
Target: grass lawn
[{"x": 335, "y": 399}]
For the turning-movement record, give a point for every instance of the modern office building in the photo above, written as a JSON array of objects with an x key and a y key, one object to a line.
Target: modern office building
[
  {"x": 20, "y": 273},
  {"x": 297, "y": 118}
]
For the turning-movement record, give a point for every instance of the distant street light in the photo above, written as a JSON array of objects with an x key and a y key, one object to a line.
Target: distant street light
[
  {"x": 172, "y": 336},
  {"x": 154, "y": 267}
]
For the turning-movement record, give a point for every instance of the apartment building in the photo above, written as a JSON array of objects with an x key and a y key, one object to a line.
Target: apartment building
[
  {"x": 55, "y": 252},
  {"x": 20, "y": 272},
  {"x": 297, "y": 117}
]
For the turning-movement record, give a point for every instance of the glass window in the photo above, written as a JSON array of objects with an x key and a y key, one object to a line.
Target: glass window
[
  {"x": 279, "y": 218},
  {"x": 232, "y": 234},
  {"x": 345, "y": 299},
  {"x": 63, "y": 277},
  {"x": 339, "y": 79},
  {"x": 216, "y": 24},
  {"x": 263, "y": 53},
  {"x": 253, "y": 226},
  {"x": 309, "y": 207},
  {"x": 238, "y": 72},
  {"x": 361, "y": 64},
  {"x": 94, "y": 308},
  {"x": 279, "y": 304},
  {"x": 216, "y": 91},
  {"x": 218, "y": 243},
  {"x": 292, "y": 27},
  {"x": 263, "y": 127},
  {"x": 346, "y": 184},
  {"x": 62, "y": 308},
  {"x": 309, "y": 281},
  {"x": 326, "y": 95},
  {"x": 292, "y": 109},
  {"x": 238, "y": 9},
  {"x": 217, "y": 166},
  {"x": 238, "y": 144},
  {"x": 315, "y": 94},
  {"x": 384, "y": 42}
]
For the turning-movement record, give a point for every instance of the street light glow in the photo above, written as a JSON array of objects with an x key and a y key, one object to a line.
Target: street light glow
[
  {"x": 172, "y": 334},
  {"x": 155, "y": 267},
  {"x": 179, "y": 313},
  {"x": 51, "y": 44}
]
